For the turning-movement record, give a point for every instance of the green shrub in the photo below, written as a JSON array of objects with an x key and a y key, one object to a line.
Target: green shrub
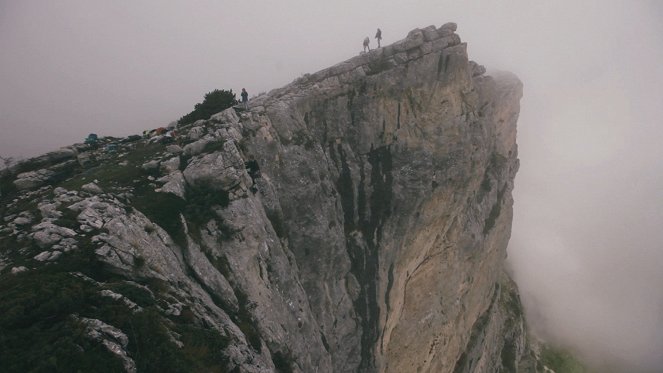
[
  {"x": 561, "y": 361},
  {"x": 214, "y": 102}
]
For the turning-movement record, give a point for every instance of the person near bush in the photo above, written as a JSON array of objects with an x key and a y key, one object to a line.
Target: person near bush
[{"x": 245, "y": 98}]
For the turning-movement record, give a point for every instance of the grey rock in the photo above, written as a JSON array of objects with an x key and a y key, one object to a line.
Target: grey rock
[
  {"x": 174, "y": 149},
  {"x": 48, "y": 256},
  {"x": 174, "y": 183},
  {"x": 213, "y": 171},
  {"x": 196, "y": 133},
  {"x": 430, "y": 33},
  {"x": 119, "y": 297},
  {"x": 62, "y": 154},
  {"x": 477, "y": 69},
  {"x": 49, "y": 210},
  {"x": 59, "y": 191},
  {"x": 67, "y": 197},
  {"x": 151, "y": 165},
  {"x": 112, "y": 338},
  {"x": 414, "y": 39},
  {"x": 227, "y": 116},
  {"x": 451, "y": 26},
  {"x": 46, "y": 234},
  {"x": 33, "y": 179},
  {"x": 19, "y": 269},
  {"x": 92, "y": 188},
  {"x": 22, "y": 220},
  {"x": 86, "y": 159},
  {"x": 196, "y": 147},
  {"x": 169, "y": 166}
]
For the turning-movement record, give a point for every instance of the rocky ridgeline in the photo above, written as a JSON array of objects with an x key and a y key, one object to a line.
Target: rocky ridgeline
[{"x": 355, "y": 220}]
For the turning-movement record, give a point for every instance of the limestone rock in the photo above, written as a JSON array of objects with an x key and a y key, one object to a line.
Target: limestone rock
[
  {"x": 212, "y": 171},
  {"x": 46, "y": 234},
  {"x": 33, "y": 179},
  {"x": 48, "y": 256},
  {"x": 22, "y": 220},
  {"x": 49, "y": 210},
  {"x": 170, "y": 166},
  {"x": 152, "y": 165},
  {"x": 19, "y": 269},
  {"x": 228, "y": 116},
  {"x": 92, "y": 188},
  {"x": 112, "y": 338},
  {"x": 174, "y": 183},
  {"x": 196, "y": 147},
  {"x": 196, "y": 132},
  {"x": 174, "y": 149}
]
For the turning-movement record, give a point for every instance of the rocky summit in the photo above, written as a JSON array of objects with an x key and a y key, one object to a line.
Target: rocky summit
[{"x": 355, "y": 220}]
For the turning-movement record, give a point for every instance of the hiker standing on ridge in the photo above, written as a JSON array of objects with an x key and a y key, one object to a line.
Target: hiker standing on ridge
[
  {"x": 366, "y": 41},
  {"x": 378, "y": 35},
  {"x": 245, "y": 98}
]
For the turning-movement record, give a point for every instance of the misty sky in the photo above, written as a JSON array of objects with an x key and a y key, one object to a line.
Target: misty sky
[{"x": 587, "y": 238}]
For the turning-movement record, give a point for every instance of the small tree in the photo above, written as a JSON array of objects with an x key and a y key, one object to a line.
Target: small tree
[{"x": 214, "y": 102}]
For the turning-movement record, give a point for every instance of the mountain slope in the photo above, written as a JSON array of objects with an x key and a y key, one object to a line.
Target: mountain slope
[{"x": 355, "y": 220}]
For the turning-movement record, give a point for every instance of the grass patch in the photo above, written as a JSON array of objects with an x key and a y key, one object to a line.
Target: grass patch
[{"x": 111, "y": 174}]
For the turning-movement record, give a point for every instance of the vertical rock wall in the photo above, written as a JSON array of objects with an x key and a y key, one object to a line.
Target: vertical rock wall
[{"x": 393, "y": 174}]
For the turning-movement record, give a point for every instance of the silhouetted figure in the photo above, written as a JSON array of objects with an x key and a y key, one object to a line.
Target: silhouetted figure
[
  {"x": 378, "y": 35},
  {"x": 245, "y": 99},
  {"x": 366, "y": 41}
]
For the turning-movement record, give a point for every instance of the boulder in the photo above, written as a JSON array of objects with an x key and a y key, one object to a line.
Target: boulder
[
  {"x": 226, "y": 116},
  {"x": 152, "y": 165},
  {"x": 196, "y": 147},
  {"x": 196, "y": 133},
  {"x": 17, "y": 270},
  {"x": 174, "y": 183},
  {"x": 174, "y": 149},
  {"x": 212, "y": 171},
  {"x": 170, "y": 165},
  {"x": 33, "y": 179},
  {"x": 92, "y": 188},
  {"x": 430, "y": 33}
]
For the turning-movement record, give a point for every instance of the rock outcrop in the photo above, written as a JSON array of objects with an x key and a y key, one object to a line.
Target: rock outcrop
[{"x": 355, "y": 220}]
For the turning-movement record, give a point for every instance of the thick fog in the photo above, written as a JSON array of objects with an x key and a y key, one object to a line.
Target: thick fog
[{"x": 586, "y": 248}]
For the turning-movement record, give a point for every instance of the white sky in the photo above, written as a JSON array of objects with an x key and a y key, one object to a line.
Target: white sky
[{"x": 587, "y": 237}]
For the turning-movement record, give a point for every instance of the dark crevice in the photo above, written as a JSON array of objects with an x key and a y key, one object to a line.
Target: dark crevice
[
  {"x": 390, "y": 284},
  {"x": 398, "y": 117},
  {"x": 346, "y": 190},
  {"x": 363, "y": 249}
]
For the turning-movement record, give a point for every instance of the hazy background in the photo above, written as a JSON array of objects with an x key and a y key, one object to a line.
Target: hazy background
[{"x": 587, "y": 234}]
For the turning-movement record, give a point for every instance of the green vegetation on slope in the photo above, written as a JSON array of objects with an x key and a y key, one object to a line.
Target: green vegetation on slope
[
  {"x": 214, "y": 102},
  {"x": 39, "y": 332},
  {"x": 561, "y": 361}
]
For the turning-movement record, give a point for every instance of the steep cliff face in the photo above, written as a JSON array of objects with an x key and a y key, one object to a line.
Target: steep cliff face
[{"x": 355, "y": 220}]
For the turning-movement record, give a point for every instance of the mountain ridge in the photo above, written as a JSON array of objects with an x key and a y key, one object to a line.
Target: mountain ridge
[{"x": 355, "y": 220}]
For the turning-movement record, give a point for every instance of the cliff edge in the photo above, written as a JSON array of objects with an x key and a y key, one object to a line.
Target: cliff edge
[{"x": 355, "y": 220}]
